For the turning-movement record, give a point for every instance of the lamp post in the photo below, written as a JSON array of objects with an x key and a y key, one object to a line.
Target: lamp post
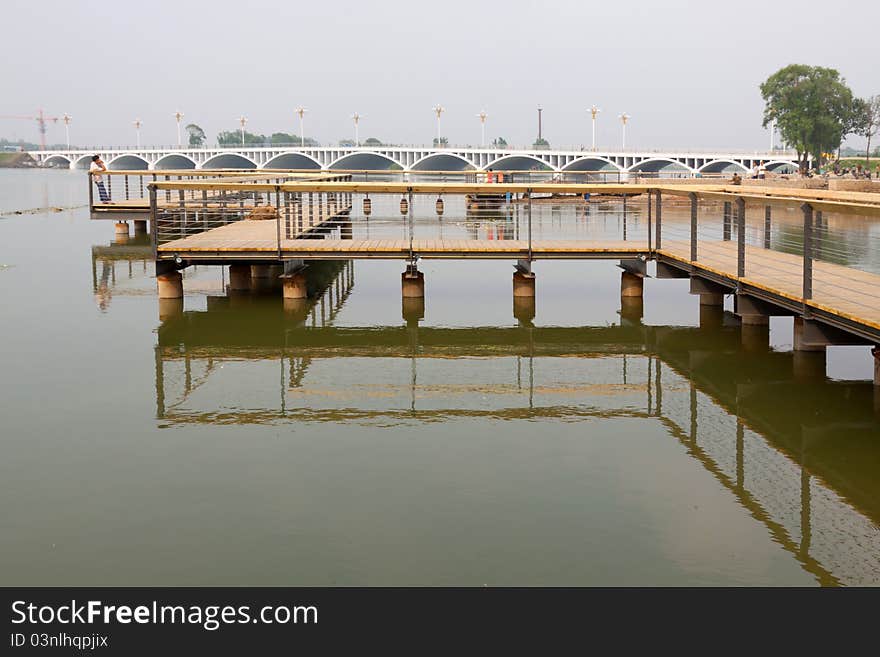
[
  {"x": 540, "y": 109},
  {"x": 623, "y": 119},
  {"x": 66, "y": 118},
  {"x": 438, "y": 110},
  {"x": 301, "y": 111},
  {"x": 594, "y": 111},
  {"x": 356, "y": 118},
  {"x": 137, "y": 131},
  {"x": 178, "y": 115},
  {"x": 483, "y": 116},
  {"x": 242, "y": 120}
]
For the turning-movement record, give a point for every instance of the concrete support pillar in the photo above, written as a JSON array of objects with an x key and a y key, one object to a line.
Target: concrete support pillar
[
  {"x": 169, "y": 309},
  {"x": 755, "y": 337},
  {"x": 631, "y": 285},
  {"x": 140, "y": 227},
  {"x": 239, "y": 278},
  {"x": 524, "y": 284},
  {"x": 798, "y": 343},
  {"x": 170, "y": 285},
  {"x": 297, "y": 309},
  {"x": 121, "y": 235},
  {"x": 294, "y": 286},
  {"x": 412, "y": 283},
  {"x": 524, "y": 309},
  {"x": 754, "y": 320},
  {"x": 632, "y": 309},
  {"x": 261, "y": 271},
  {"x": 808, "y": 365},
  {"x": 712, "y": 299},
  {"x": 711, "y": 317},
  {"x": 413, "y": 309}
]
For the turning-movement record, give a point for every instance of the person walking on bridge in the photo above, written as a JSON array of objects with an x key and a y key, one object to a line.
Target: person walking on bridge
[{"x": 98, "y": 165}]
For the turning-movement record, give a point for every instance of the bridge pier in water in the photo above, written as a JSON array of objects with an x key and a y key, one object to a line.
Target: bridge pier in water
[
  {"x": 140, "y": 227},
  {"x": 121, "y": 232},
  {"x": 239, "y": 278},
  {"x": 170, "y": 285},
  {"x": 412, "y": 283}
]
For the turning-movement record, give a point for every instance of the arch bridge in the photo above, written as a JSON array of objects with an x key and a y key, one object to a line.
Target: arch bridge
[{"x": 422, "y": 158}]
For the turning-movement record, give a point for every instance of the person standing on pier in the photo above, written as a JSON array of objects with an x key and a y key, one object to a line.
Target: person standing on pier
[{"x": 98, "y": 165}]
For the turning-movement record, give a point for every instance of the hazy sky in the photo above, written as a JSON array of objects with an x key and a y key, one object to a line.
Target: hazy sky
[{"x": 686, "y": 72}]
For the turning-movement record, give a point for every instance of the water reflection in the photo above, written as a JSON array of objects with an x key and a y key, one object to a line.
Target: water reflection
[
  {"x": 734, "y": 405},
  {"x": 120, "y": 263}
]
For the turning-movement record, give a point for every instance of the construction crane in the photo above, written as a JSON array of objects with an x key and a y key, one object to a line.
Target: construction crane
[{"x": 41, "y": 120}]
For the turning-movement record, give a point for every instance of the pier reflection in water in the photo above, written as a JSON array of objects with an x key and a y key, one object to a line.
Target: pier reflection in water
[{"x": 797, "y": 451}]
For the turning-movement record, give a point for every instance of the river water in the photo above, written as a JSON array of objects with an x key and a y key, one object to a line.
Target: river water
[{"x": 244, "y": 443}]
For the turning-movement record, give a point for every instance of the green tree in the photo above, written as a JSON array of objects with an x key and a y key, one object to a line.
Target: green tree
[
  {"x": 540, "y": 142},
  {"x": 282, "y": 138},
  {"x": 865, "y": 121},
  {"x": 347, "y": 143},
  {"x": 372, "y": 141},
  {"x": 196, "y": 135},
  {"x": 500, "y": 142},
  {"x": 235, "y": 138},
  {"x": 442, "y": 141},
  {"x": 810, "y": 106}
]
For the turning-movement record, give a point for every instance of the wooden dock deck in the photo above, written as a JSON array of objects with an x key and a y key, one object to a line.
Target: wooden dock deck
[
  {"x": 258, "y": 239},
  {"x": 845, "y": 292}
]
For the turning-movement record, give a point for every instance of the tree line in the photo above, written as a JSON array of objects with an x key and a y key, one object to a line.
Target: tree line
[{"x": 814, "y": 111}]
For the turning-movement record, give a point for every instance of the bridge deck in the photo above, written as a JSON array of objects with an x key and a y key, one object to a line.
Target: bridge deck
[{"x": 258, "y": 239}]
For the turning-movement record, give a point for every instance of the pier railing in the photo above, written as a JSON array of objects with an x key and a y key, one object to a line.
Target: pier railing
[{"x": 128, "y": 189}]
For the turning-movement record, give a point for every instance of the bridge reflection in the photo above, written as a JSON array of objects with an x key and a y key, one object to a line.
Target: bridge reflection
[{"x": 809, "y": 478}]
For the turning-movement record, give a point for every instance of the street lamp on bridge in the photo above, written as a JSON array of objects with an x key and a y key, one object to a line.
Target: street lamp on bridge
[
  {"x": 357, "y": 119},
  {"x": 67, "y": 118},
  {"x": 178, "y": 115},
  {"x": 483, "y": 116},
  {"x": 623, "y": 119},
  {"x": 594, "y": 111},
  {"x": 438, "y": 110},
  {"x": 301, "y": 111},
  {"x": 242, "y": 120},
  {"x": 137, "y": 131}
]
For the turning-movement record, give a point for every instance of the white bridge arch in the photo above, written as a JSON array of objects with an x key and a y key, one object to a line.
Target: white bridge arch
[{"x": 419, "y": 158}]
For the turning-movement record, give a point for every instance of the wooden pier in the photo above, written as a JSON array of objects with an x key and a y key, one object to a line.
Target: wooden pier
[{"x": 206, "y": 222}]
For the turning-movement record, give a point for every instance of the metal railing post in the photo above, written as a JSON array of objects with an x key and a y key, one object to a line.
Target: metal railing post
[
  {"x": 693, "y": 198},
  {"x": 740, "y": 237},
  {"x": 154, "y": 220},
  {"x": 411, "y": 225},
  {"x": 278, "y": 218},
  {"x": 529, "y": 218},
  {"x": 725, "y": 222},
  {"x": 767, "y": 227},
  {"x": 658, "y": 212},
  {"x": 808, "y": 250}
]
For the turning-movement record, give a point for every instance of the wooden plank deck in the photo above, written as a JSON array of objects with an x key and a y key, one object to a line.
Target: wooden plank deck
[
  {"x": 255, "y": 238},
  {"x": 847, "y": 292}
]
